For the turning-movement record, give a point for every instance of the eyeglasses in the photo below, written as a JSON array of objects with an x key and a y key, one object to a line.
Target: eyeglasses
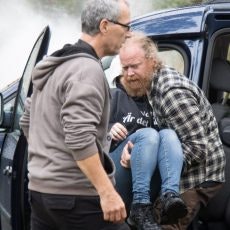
[{"x": 120, "y": 24}]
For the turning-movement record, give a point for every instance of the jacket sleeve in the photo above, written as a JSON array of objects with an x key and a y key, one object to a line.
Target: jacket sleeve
[
  {"x": 113, "y": 107},
  {"x": 83, "y": 109},
  {"x": 25, "y": 118},
  {"x": 181, "y": 110}
]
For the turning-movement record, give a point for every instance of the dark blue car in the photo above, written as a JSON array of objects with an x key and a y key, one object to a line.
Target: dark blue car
[{"x": 195, "y": 40}]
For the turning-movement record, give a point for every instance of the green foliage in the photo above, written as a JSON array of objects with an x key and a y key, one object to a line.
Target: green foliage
[
  {"x": 73, "y": 7},
  {"x": 68, "y": 6},
  {"x": 163, "y": 4}
]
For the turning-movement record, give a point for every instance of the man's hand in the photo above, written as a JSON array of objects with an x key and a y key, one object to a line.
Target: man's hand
[
  {"x": 118, "y": 132},
  {"x": 113, "y": 207},
  {"x": 111, "y": 203},
  {"x": 126, "y": 156}
]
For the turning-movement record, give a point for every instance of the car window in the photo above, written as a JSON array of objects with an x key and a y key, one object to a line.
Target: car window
[
  {"x": 25, "y": 86},
  {"x": 227, "y": 94},
  {"x": 112, "y": 70},
  {"x": 9, "y": 105},
  {"x": 39, "y": 49},
  {"x": 172, "y": 58}
]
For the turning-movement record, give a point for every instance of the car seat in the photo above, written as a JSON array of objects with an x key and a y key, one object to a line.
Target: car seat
[
  {"x": 220, "y": 82},
  {"x": 216, "y": 216}
]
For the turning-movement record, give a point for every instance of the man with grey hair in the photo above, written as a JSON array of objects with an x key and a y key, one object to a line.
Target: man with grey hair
[{"x": 71, "y": 177}]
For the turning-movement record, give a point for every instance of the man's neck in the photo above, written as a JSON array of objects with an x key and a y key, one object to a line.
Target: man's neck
[{"x": 94, "y": 42}]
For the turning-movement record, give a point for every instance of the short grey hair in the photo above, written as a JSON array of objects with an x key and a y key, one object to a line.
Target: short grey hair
[{"x": 96, "y": 10}]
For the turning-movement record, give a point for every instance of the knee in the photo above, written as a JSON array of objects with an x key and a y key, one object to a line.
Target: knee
[
  {"x": 149, "y": 135},
  {"x": 170, "y": 135}
]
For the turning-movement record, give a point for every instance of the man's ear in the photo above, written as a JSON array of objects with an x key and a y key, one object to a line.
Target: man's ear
[
  {"x": 103, "y": 26},
  {"x": 154, "y": 63}
]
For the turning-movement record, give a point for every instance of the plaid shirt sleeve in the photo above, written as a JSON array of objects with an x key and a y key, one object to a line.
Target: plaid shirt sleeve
[{"x": 181, "y": 110}]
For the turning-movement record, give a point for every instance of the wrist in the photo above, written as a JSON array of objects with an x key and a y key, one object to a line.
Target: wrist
[{"x": 106, "y": 190}]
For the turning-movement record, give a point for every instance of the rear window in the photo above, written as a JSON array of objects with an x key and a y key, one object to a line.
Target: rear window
[{"x": 172, "y": 58}]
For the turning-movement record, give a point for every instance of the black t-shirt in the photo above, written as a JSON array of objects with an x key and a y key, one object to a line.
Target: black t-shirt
[{"x": 133, "y": 112}]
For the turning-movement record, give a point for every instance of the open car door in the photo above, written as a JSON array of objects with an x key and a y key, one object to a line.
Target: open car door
[{"x": 14, "y": 205}]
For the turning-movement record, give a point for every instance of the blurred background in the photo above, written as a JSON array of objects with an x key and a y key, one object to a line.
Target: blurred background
[{"x": 21, "y": 21}]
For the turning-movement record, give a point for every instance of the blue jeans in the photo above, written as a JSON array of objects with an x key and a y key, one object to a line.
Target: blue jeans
[{"x": 152, "y": 149}]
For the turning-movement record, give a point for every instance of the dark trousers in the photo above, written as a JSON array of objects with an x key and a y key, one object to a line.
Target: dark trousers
[{"x": 66, "y": 212}]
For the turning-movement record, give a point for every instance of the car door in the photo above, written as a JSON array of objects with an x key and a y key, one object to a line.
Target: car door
[
  {"x": 216, "y": 85},
  {"x": 13, "y": 171},
  {"x": 9, "y": 95}
]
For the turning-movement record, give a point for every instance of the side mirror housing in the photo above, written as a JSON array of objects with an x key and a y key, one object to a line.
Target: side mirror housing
[{"x": 6, "y": 117}]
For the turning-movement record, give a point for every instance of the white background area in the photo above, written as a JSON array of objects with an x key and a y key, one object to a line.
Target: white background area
[{"x": 20, "y": 25}]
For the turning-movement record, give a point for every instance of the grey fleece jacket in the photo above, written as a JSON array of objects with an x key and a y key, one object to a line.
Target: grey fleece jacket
[{"x": 66, "y": 120}]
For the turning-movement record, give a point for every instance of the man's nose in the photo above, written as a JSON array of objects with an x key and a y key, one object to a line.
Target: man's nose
[
  {"x": 128, "y": 34},
  {"x": 130, "y": 71}
]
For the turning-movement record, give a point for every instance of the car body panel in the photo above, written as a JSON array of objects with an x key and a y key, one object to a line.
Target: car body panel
[
  {"x": 167, "y": 23},
  {"x": 13, "y": 149}
]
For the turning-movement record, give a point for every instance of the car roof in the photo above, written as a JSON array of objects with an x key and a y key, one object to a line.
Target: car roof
[{"x": 178, "y": 21}]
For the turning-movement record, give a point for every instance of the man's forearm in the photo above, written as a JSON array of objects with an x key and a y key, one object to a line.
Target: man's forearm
[
  {"x": 111, "y": 203},
  {"x": 95, "y": 172}
]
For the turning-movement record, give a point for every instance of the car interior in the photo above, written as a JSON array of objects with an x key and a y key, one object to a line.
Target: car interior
[{"x": 217, "y": 214}]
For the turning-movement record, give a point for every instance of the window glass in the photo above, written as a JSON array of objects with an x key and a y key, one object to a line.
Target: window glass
[
  {"x": 172, "y": 58},
  {"x": 228, "y": 56},
  {"x": 227, "y": 95},
  {"x": 9, "y": 106},
  {"x": 26, "y": 82}
]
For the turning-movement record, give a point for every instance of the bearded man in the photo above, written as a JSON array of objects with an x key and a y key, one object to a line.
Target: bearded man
[
  {"x": 179, "y": 104},
  {"x": 139, "y": 147}
]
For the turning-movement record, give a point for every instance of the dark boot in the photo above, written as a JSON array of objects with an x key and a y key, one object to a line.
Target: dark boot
[
  {"x": 173, "y": 208},
  {"x": 141, "y": 216}
]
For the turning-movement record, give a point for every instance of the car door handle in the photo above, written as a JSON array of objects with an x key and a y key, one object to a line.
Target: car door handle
[{"x": 8, "y": 170}]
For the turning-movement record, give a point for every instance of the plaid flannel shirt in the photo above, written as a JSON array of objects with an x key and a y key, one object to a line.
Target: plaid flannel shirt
[{"x": 179, "y": 104}]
